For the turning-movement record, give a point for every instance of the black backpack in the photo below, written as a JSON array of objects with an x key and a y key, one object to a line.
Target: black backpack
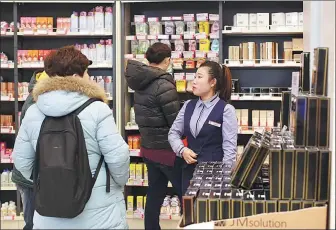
[{"x": 62, "y": 176}]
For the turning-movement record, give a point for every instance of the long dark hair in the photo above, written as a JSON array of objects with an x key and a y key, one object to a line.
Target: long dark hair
[{"x": 223, "y": 76}]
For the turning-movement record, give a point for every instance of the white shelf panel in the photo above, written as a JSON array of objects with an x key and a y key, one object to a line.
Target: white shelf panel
[
  {"x": 8, "y": 188},
  {"x": 132, "y": 127},
  {"x": 137, "y": 216},
  {"x": 262, "y": 31},
  {"x": 68, "y": 34},
  {"x": 12, "y": 218},
  {"x": 135, "y": 152},
  {"x": 40, "y": 65}
]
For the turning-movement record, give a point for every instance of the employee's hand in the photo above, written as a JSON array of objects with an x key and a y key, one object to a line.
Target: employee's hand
[{"x": 189, "y": 156}]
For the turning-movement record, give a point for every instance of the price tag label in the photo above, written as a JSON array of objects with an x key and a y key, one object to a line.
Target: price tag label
[
  {"x": 179, "y": 18},
  {"x": 189, "y": 36},
  {"x": 42, "y": 31},
  {"x": 9, "y": 217},
  {"x": 4, "y": 65},
  {"x": 139, "y": 56},
  {"x": 189, "y": 17},
  {"x": 129, "y": 56},
  {"x": 176, "y": 37},
  {"x": 139, "y": 18},
  {"x": 202, "y": 17},
  {"x": 190, "y": 76},
  {"x": 176, "y": 54},
  {"x": 28, "y": 32},
  {"x": 36, "y": 65},
  {"x": 235, "y": 97},
  {"x": 151, "y": 37},
  {"x": 200, "y": 54},
  {"x": 61, "y": 31},
  {"x": 214, "y": 36},
  {"x": 212, "y": 54},
  {"x": 201, "y": 36},
  {"x": 188, "y": 54},
  {"x": 155, "y": 19},
  {"x": 166, "y": 18},
  {"x": 141, "y": 37},
  {"x": 163, "y": 37},
  {"x": 248, "y": 63},
  {"x": 179, "y": 76},
  {"x": 130, "y": 38},
  {"x": 214, "y": 17}
]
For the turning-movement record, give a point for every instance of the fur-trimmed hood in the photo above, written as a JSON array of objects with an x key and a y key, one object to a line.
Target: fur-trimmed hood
[
  {"x": 59, "y": 96},
  {"x": 70, "y": 84}
]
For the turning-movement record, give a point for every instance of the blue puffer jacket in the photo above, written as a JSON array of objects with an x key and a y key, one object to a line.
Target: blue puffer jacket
[{"x": 58, "y": 96}]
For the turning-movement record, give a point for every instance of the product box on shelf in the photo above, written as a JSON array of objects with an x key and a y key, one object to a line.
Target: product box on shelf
[
  {"x": 300, "y": 172},
  {"x": 275, "y": 162},
  {"x": 324, "y": 175},
  {"x": 323, "y": 122},
  {"x": 305, "y": 72},
  {"x": 320, "y": 71},
  {"x": 311, "y": 179},
  {"x": 298, "y": 119},
  {"x": 288, "y": 172},
  {"x": 312, "y": 117}
]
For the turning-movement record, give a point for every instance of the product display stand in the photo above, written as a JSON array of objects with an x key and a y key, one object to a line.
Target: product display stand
[{"x": 42, "y": 27}]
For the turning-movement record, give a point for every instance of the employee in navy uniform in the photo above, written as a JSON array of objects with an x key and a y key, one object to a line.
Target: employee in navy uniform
[{"x": 209, "y": 123}]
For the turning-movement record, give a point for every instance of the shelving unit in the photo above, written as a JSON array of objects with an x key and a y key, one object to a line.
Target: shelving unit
[{"x": 13, "y": 41}]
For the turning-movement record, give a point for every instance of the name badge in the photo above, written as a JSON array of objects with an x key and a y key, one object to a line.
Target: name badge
[{"x": 215, "y": 124}]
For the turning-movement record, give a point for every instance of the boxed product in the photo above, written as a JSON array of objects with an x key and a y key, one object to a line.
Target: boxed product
[
  {"x": 320, "y": 71},
  {"x": 305, "y": 72},
  {"x": 279, "y": 19},
  {"x": 108, "y": 19},
  {"x": 83, "y": 22},
  {"x": 241, "y": 21},
  {"x": 252, "y": 21},
  {"x": 139, "y": 172},
  {"x": 99, "y": 19},
  {"x": 323, "y": 127},
  {"x": 292, "y": 19},
  {"x": 263, "y": 20}
]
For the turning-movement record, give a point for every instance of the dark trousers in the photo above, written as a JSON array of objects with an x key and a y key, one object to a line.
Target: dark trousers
[
  {"x": 158, "y": 177},
  {"x": 187, "y": 174},
  {"x": 28, "y": 201}
]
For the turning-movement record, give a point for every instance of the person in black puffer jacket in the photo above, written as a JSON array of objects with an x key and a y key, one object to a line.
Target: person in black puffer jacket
[{"x": 156, "y": 106}]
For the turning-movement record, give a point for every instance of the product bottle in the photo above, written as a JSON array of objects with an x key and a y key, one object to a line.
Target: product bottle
[{"x": 132, "y": 116}]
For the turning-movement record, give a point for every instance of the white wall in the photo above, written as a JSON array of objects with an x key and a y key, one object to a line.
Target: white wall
[{"x": 319, "y": 30}]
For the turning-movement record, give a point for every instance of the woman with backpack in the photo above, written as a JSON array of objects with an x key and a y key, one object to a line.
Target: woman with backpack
[{"x": 69, "y": 145}]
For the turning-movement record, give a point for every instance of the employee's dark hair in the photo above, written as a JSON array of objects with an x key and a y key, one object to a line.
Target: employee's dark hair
[
  {"x": 158, "y": 52},
  {"x": 66, "y": 61},
  {"x": 223, "y": 76}
]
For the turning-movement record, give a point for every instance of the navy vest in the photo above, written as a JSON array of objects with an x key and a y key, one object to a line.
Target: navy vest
[{"x": 208, "y": 142}]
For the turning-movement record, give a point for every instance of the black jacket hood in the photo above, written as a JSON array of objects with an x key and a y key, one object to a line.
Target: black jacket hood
[{"x": 139, "y": 75}]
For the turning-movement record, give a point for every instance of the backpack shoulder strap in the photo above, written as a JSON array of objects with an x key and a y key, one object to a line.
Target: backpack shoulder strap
[{"x": 86, "y": 104}]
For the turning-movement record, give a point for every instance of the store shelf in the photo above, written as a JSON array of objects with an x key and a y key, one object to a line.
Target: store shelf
[
  {"x": 255, "y": 98},
  {"x": 135, "y": 152},
  {"x": 8, "y": 188},
  {"x": 45, "y": 33},
  {"x": 275, "y": 31},
  {"x": 7, "y": 65},
  {"x": 142, "y": 183},
  {"x": 6, "y": 161},
  {"x": 257, "y": 63},
  {"x": 40, "y": 65},
  {"x": 12, "y": 218},
  {"x": 132, "y": 127},
  {"x": 139, "y": 216},
  {"x": 7, "y": 130}
]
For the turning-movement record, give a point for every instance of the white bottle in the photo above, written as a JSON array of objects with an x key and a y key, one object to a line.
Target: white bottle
[
  {"x": 74, "y": 22},
  {"x": 4, "y": 178},
  {"x": 10, "y": 178},
  {"x": 132, "y": 116}
]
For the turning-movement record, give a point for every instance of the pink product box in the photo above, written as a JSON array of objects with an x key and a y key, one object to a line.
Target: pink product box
[{"x": 3, "y": 150}]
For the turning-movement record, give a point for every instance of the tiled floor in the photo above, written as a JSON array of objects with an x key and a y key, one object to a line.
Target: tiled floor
[{"x": 133, "y": 224}]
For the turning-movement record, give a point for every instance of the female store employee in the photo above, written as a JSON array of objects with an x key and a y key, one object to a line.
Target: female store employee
[{"x": 209, "y": 123}]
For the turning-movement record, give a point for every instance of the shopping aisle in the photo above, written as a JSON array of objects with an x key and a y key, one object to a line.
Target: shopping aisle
[{"x": 133, "y": 224}]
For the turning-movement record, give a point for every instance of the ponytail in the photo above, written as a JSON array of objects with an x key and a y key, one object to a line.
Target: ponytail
[
  {"x": 225, "y": 88},
  {"x": 223, "y": 76}
]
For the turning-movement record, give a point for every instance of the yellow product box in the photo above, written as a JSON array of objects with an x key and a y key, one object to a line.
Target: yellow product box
[
  {"x": 144, "y": 200},
  {"x": 140, "y": 200},
  {"x": 145, "y": 172},
  {"x": 132, "y": 171},
  {"x": 130, "y": 203},
  {"x": 138, "y": 172}
]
